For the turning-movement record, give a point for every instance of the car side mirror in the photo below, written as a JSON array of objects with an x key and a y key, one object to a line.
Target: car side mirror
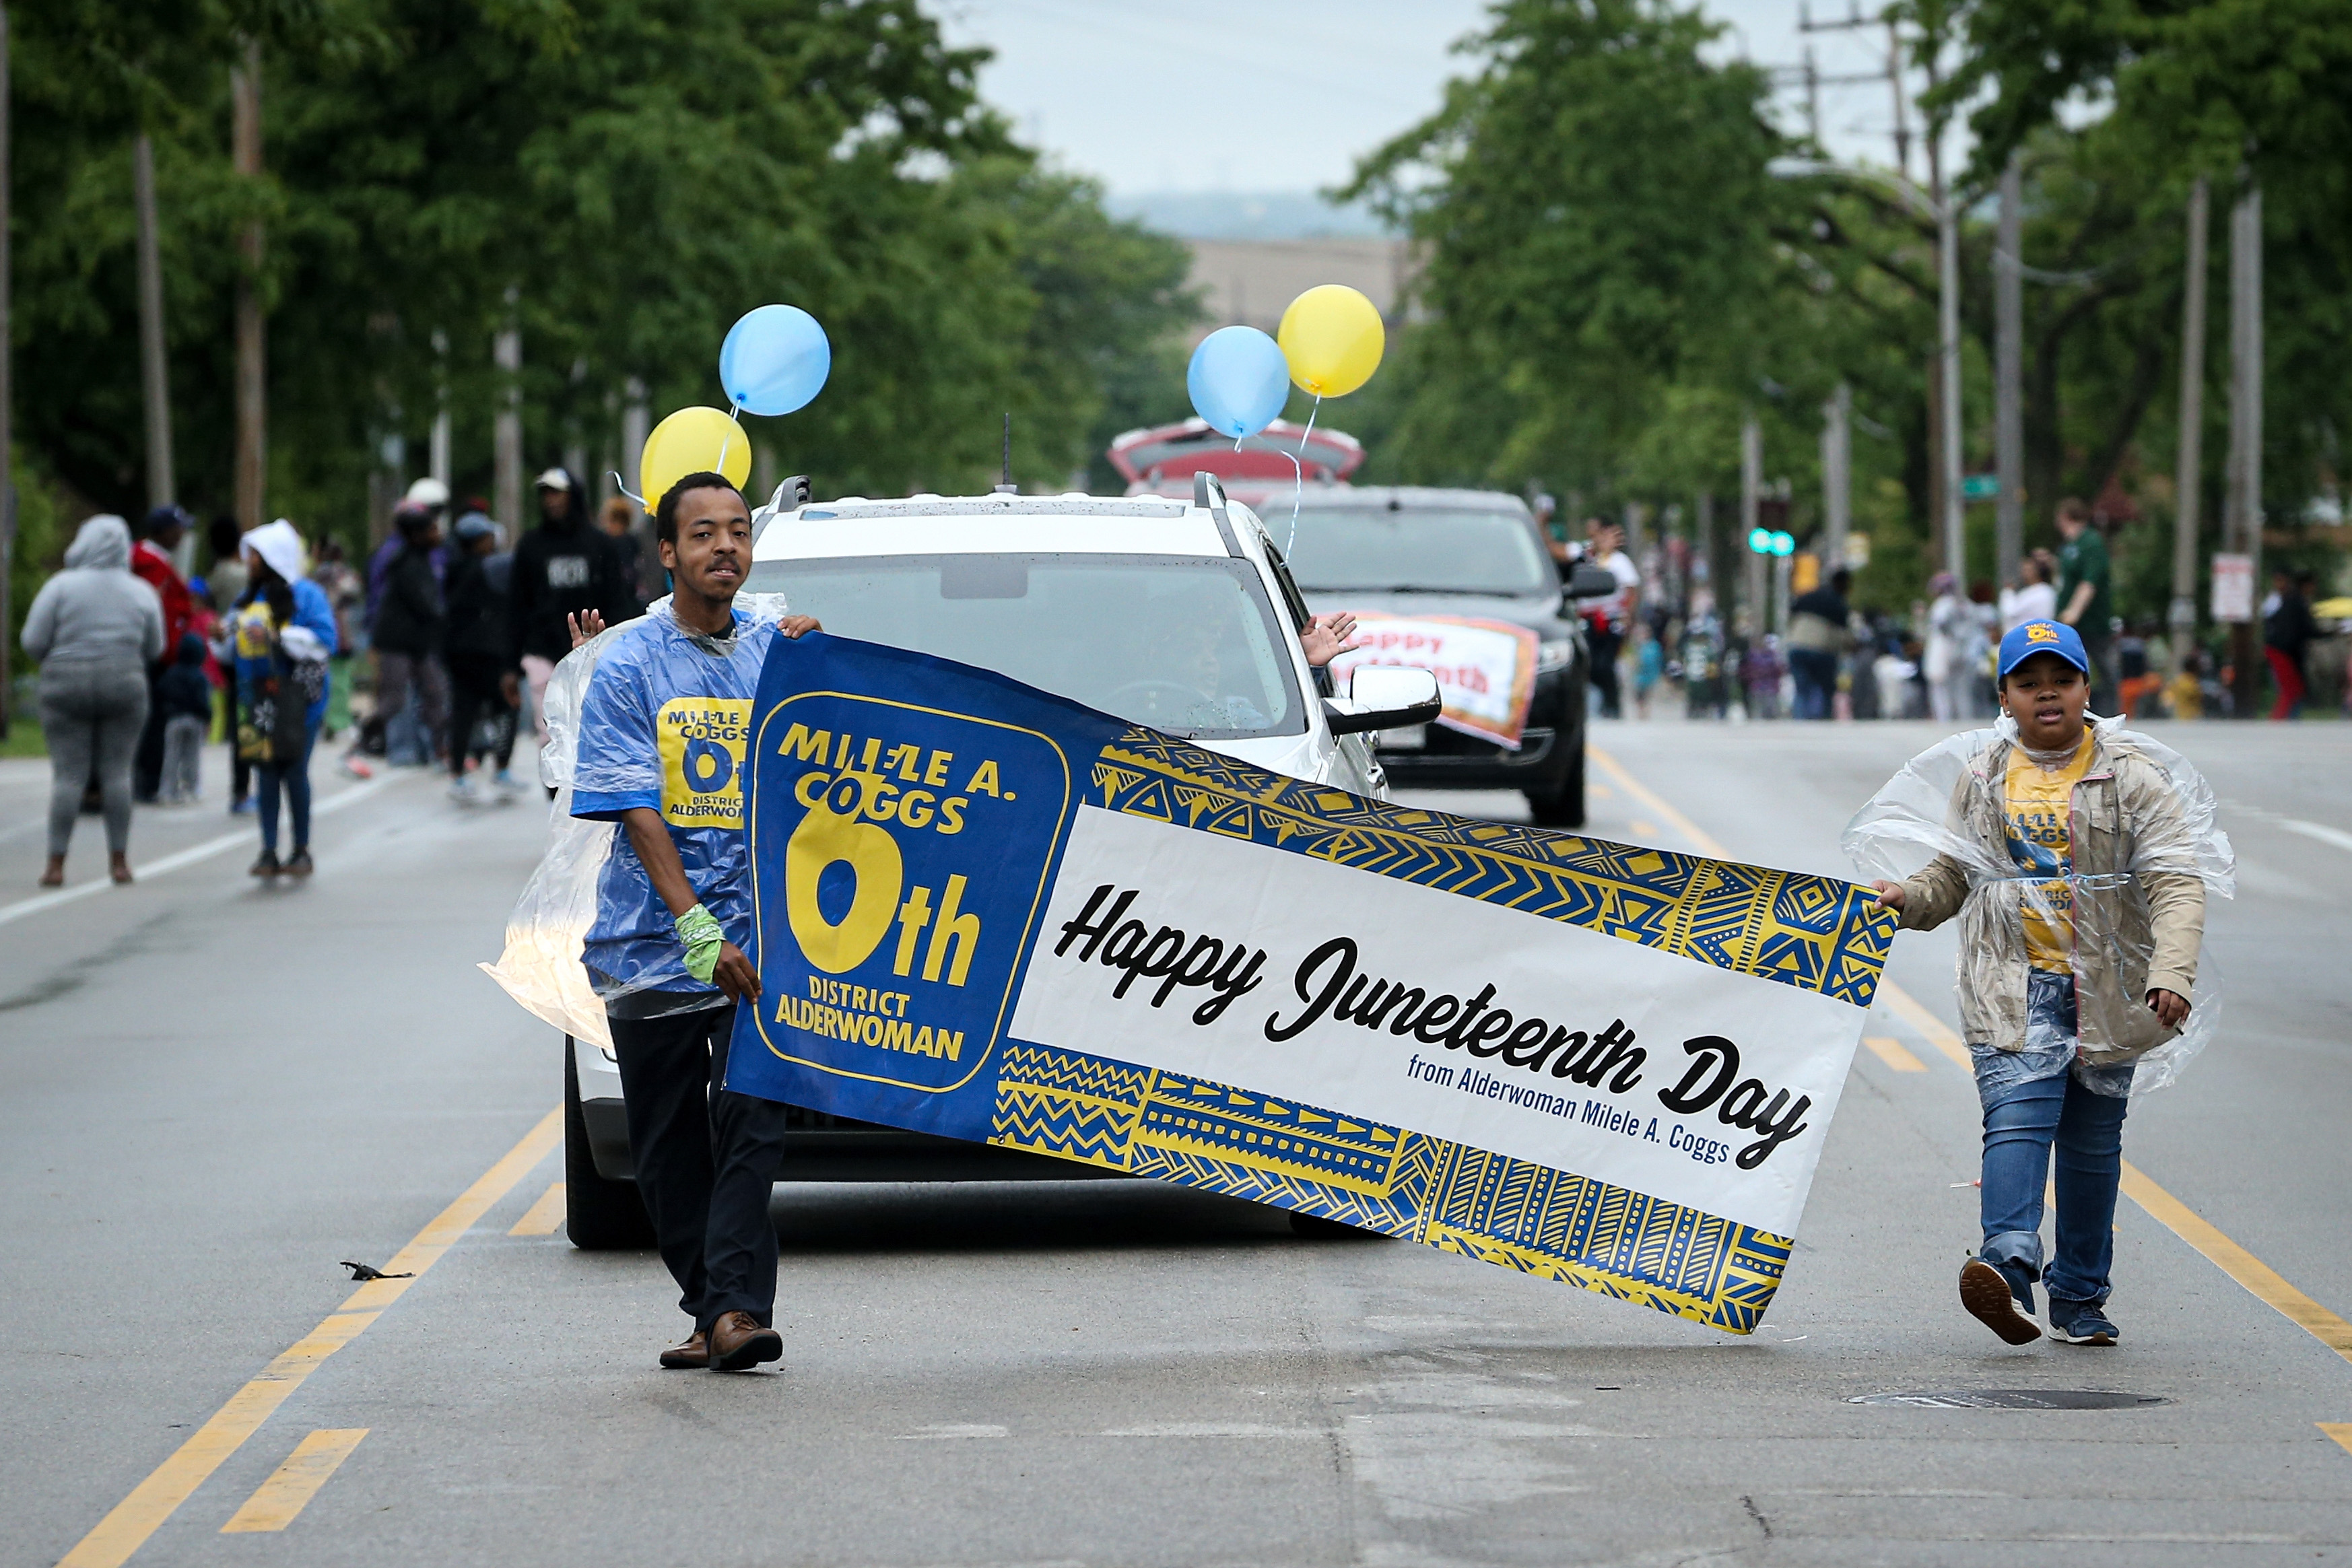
[
  {"x": 1590, "y": 581},
  {"x": 1384, "y": 697}
]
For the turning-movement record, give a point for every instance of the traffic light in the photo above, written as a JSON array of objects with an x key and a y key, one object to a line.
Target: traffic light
[{"x": 1771, "y": 541}]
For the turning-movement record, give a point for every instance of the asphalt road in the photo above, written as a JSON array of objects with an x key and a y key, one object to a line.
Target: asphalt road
[{"x": 211, "y": 1091}]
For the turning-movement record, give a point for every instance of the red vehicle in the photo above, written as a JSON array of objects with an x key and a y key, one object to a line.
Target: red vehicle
[{"x": 1161, "y": 461}]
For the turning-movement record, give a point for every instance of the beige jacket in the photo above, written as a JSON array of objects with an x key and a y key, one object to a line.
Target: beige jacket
[{"x": 2133, "y": 933}]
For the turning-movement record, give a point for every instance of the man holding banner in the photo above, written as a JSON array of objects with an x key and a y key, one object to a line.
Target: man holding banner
[{"x": 662, "y": 752}]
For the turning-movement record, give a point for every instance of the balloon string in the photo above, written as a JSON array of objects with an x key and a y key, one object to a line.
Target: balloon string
[
  {"x": 735, "y": 423},
  {"x": 625, "y": 490},
  {"x": 1299, "y": 475}
]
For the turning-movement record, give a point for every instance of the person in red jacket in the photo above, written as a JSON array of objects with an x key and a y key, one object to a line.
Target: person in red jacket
[{"x": 150, "y": 562}]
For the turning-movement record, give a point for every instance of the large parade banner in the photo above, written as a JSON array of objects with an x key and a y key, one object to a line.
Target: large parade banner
[{"x": 986, "y": 912}]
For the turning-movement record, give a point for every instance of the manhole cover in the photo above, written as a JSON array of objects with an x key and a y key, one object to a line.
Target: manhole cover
[{"x": 2013, "y": 1399}]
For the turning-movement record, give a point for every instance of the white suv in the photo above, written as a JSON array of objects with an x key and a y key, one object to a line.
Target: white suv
[{"x": 1179, "y": 616}]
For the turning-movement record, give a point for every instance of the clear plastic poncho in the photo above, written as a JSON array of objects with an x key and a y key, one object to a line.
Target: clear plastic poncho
[
  {"x": 542, "y": 966},
  {"x": 2144, "y": 847}
]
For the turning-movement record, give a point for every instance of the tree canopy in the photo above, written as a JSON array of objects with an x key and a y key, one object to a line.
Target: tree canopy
[
  {"x": 1621, "y": 258},
  {"x": 619, "y": 181}
]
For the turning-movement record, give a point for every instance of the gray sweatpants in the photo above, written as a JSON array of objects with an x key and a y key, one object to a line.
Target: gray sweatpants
[{"x": 91, "y": 714}]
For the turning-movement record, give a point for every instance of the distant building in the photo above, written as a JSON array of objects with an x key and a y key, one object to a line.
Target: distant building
[{"x": 1249, "y": 282}]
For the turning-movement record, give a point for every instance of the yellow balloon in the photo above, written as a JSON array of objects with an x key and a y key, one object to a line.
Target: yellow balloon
[
  {"x": 693, "y": 441},
  {"x": 1332, "y": 337}
]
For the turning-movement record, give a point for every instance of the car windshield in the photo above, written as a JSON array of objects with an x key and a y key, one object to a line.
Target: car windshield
[
  {"x": 1181, "y": 644},
  {"x": 1430, "y": 549}
]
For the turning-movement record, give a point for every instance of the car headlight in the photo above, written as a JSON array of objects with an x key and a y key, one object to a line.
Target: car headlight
[{"x": 1555, "y": 654}]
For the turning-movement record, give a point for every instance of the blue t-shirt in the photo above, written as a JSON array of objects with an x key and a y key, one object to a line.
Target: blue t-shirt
[{"x": 666, "y": 725}]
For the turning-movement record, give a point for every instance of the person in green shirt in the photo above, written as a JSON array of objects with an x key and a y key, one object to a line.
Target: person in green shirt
[{"x": 2084, "y": 602}]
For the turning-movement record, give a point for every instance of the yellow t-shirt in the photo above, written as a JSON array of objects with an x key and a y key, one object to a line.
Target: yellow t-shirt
[{"x": 2039, "y": 805}]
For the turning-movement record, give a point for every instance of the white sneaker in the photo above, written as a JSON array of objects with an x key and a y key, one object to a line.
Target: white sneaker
[
  {"x": 466, "y": 793},
  {"x": 506, "y": 785}
]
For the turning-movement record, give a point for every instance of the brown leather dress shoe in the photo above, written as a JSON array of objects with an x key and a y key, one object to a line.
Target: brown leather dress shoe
[
  {"x": 738, "y": 1342},
  {"x": 693, "y": 1352}
]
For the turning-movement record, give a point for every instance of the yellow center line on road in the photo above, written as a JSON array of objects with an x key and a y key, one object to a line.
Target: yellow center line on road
[
  {"x": 543, "y": 1217},
  {"x": 2339, "y": 1430},
  {"x": 291, "y": 1487},
  {"x": 114, "y": 1540},
  {"x": 1892, "y": 1052},
  {"x": 2259, "y": 1279}
]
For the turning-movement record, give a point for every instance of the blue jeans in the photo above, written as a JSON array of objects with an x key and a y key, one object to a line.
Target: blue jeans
[
  {"x": 296, "y": 777},
  {"x": 2023, "y": 1119}
]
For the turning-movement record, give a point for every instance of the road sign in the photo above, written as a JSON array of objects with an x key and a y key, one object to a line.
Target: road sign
[{"x": 1979, "y": 487}]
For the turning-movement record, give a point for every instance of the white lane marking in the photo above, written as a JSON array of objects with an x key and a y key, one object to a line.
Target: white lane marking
[
  {"x": 177, "y": 861},
  {"x": 1212, "y": 1429},
  {"x": 2325, "y": 834},
  {"x": 937, "y": 1433}
]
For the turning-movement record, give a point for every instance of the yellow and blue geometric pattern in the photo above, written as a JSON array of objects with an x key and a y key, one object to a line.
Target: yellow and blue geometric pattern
[
  {"x": 1503, "y": 1211},
  {"x": 1815, "y": 933}
]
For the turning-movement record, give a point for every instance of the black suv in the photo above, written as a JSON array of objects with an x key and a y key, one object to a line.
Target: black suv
[{"x": 1475, "y": 555}]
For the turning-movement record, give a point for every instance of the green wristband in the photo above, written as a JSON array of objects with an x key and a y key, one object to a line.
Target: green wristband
[{"x": 698, "y": 928}]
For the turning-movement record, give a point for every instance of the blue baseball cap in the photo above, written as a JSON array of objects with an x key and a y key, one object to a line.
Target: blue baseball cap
[{"x": 2042, "y": 637}]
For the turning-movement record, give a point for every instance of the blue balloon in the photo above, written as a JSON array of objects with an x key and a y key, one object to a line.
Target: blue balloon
[
  {"x": 774, "y": 359},
  {"x": 1239, "y": 380}
]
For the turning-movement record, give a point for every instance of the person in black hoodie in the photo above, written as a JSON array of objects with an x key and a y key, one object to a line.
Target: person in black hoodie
[
  {"x": 565, "y": 566},
  {"x": 184, "y": 694},
  {"x": 482, "y": 673},
  {"x": 411, "y": 627}
]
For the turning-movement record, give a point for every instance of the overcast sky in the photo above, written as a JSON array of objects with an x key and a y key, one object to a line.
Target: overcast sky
[{"x": 1284, "y": 95}]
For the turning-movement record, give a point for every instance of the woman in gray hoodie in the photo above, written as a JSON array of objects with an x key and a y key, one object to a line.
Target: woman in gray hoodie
[{"x": 95, "y": 629}]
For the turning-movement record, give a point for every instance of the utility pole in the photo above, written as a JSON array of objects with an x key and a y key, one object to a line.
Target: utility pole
[
  {"x": 1751, "y": 493},
  {"x": 163, "y": 487},
  {"x": 1948, "y": 348},
  {"x": 252, "y": 387},
  {"x": 2009, "y": 371},
  {"x": 2188, "y": 478},
  {"x": 1894, "y": 81},
  {"x": 2242, "y": 520},
  {"x": 1837, "y": 477},
  {"x": 8, "y": 465},
  {"x": 506, "y": 436}
]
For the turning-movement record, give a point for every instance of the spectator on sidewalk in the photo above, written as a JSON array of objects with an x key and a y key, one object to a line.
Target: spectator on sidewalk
[
  {"x": 411, "y": 623},
  {"x": 2287, "y": 633},
  {"x": 1817, "y": 635},
  {"x": 185, "y": 697},
  {"x": 563, "y": 567},
  {"x": 285, "y": 635},
  {"x": 483, "y": 676},
  {"x": 619, "y": 521},
  {"x": 226, "y": 581},
  {"x": 2085, "y": 600},
  {"x": 152, "y": 562},
  {"x": 95, "y": 629},
  {"x": 1606, "y": 621},
  {"x": 2031, "y": 598}
]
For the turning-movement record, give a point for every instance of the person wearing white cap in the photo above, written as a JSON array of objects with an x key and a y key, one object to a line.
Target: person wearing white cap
[
  {"x": 285, "y": 632},
  {"x": 565, "y": 566}
]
